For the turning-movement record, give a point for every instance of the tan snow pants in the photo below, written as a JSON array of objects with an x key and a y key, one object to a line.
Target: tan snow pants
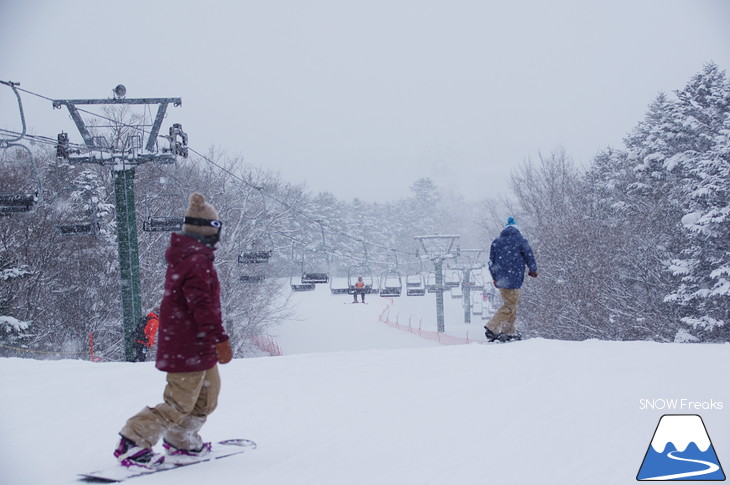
[
  {"x": 504, "y": 320},
  {"x": 189, "y": 398}
]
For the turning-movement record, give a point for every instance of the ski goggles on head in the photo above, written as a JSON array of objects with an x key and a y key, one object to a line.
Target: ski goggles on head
[{"x": 197, "y": 221}]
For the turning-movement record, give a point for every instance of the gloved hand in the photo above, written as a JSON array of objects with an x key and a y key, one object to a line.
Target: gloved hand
[
  {"x": 533, "y": 274},
  {"x": 223, "y": 352}
]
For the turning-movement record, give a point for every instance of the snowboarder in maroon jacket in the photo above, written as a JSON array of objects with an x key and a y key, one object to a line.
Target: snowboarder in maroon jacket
[{"x": 191, "y": 342}]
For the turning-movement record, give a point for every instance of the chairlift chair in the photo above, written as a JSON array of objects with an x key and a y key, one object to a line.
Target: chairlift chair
[
  {"x": 339, "y": 286},
  {"x": 392, "y": 284},
  {"x": 251, "y": 278},
  {"x": 80, "y": 220},
  {"x": 301, "y": 286},
  {"x": 431, "y": 283},
  {"x": 21, "y": 200},
  {"x": 477, "y": 278},
  {"x": 457, "y": 293},
  {"x": 162, "y": 224},
  {"x": 452, "y": 279},
  {"x": 77, "y": 229},
  {"x": 13, "y": 203},
  {"x": 296, "y": 283},
  {"x": 315, "y": 278},
  {"x": 415, "y": 285},
  {"x": 354, "y": 272},
  {"x": 253, "y": 256}
]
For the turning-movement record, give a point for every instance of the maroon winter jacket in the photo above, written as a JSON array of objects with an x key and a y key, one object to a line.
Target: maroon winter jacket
[{"x": 190, "y": 313}]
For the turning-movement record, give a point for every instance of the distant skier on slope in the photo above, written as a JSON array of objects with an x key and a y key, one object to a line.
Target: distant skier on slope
[
  {"x": 192, "y": 341},
  {"x": 508, "y": 256}
]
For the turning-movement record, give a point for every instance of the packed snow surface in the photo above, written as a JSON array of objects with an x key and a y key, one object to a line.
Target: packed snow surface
[{"x": 354, "y": 400}]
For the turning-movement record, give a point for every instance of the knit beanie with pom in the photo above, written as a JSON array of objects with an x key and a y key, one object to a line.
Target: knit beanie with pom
[
  {"x": 200, "y": 209},
  {"x": 511, "y": 222}
]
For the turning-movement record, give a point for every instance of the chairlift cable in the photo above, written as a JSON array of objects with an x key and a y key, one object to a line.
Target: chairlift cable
[
  {"x": 237, "y": 177},
  {"x": 294, "y": 209},
  {"x": 240, "y": 179}
]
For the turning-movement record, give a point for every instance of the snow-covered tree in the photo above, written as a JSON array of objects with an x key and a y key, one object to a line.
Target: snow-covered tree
[
  {"x": 12, "y": 329},
  {"x": 703, "y": 264}
]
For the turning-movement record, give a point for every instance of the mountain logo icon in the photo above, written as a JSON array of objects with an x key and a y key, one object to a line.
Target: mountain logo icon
[{"x": 680, "y": 450}]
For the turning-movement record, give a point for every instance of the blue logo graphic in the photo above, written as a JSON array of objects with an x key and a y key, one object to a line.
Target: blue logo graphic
[{"x": 681, "y": 450}]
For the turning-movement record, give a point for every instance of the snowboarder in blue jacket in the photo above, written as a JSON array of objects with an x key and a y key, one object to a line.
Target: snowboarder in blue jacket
[{"x": 508, "y": 256}]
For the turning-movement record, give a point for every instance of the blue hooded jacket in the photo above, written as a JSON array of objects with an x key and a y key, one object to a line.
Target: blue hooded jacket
[{"x": 508, "y": 256}]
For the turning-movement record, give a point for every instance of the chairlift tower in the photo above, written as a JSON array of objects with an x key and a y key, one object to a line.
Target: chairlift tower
[
  {"x": 438, "y": 248},
  {"x": 123, "y": 162},
  {"x": 466, "y": 280}
]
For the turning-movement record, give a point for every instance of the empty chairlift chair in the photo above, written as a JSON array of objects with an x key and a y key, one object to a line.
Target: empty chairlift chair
[
  {"x": 23, "y": 193},
  {"x": 315, "y": 277},
  {"x": 161, "y": 199},
  {"x": 452, "y": 278},
  {"x": 300, "y": 285},
  {"x": 415, "y": 285},
  {"x": 77, "y": 219},
  {"x": 21, "y": 179},
  {"x": 339, "y": 286},
  {"x": 253, "y": 261},
  {"x": 162, "y": 224},
  {"x": 391, "y": 284},
  {"x": 431, "y": 283}
]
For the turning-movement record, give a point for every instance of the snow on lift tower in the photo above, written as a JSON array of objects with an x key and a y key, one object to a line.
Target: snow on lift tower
[{"x": 27, "y": 194}]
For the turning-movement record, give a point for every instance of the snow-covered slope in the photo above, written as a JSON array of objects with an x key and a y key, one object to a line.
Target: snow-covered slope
[{"x": 386, "y": 411}]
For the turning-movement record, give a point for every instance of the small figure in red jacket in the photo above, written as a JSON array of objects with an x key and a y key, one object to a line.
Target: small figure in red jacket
[
  {"x": 150, "y": 330},
  {"x": 147, "y": 330},
  {"x": 191, "y": 342}
]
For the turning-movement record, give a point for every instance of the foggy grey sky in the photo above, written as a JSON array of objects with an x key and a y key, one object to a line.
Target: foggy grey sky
[{"x": 363, "y": 98}]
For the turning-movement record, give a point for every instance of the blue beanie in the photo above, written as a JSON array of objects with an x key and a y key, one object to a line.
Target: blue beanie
[{"x": 511, "y": 222}]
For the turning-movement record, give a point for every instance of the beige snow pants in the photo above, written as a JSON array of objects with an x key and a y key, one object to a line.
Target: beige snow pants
[
  {"x": 189, "y": 398},
  {"x": 504, "y": 320}
]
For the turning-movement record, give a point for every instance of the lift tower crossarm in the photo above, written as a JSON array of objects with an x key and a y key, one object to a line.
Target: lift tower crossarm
[{"x": 89, "y": 140}]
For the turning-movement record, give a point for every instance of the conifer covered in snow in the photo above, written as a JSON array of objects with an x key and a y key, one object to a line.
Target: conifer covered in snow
[{"x": 703, "y": 265}]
